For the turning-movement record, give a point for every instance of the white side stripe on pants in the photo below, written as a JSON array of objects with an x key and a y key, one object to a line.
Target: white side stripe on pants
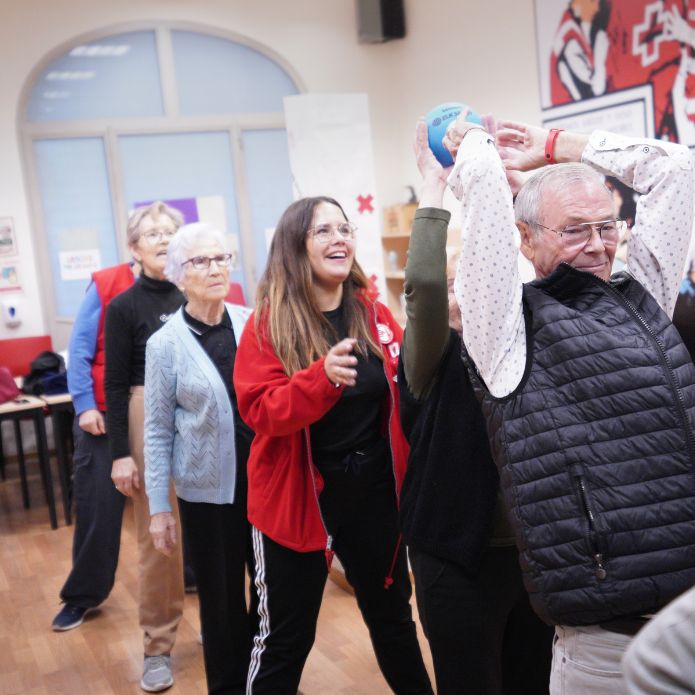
[{"x": 263, "y": 616}]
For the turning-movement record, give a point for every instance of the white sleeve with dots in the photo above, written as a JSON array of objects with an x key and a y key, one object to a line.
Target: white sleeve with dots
[
  {"x": 661, "y": 173},
  {"x": 488, "y": 286}
]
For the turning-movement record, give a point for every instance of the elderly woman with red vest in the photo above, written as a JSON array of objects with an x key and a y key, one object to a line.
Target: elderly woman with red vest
[{"x": 314, "y": 378}]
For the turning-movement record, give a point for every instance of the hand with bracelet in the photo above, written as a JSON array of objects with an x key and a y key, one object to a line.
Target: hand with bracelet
[{"x": 524, "y": 147}]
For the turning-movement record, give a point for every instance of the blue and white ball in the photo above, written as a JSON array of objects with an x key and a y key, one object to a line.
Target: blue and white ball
[{"x": 438, "y": 120}]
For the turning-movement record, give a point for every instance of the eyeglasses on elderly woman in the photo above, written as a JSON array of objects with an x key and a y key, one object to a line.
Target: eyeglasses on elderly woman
[
  {"x": 154, "y": 236},
  {"x": 222, "y": 260}
]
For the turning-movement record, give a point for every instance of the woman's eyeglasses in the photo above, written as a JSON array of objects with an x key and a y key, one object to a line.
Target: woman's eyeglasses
[
  {"x": 222, "y": 260},
  {"x": 154, "y": 236},
  {"x": 325, "y": 233}
]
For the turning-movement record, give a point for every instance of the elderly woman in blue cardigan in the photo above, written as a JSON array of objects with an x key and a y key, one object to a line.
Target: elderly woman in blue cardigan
[{"x": 194, "y": 435}]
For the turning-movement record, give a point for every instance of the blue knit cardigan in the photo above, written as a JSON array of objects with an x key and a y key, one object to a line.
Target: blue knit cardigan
[{"x": 189, "y": 422}]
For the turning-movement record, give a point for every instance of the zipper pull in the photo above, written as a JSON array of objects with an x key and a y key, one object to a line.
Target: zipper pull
[{"x": 600, "y": 570}]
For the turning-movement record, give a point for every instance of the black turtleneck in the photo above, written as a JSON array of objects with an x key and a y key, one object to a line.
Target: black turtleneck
[{"x": 131, "y": 318}]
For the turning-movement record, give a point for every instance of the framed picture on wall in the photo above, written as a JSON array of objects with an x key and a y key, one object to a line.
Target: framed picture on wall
[
  {"x": 622, "y": 65},
  {"x": 8, "y": 240},
  {"x": 9, "y": 277}
]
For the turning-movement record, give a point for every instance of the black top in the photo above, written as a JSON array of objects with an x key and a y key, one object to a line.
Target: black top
[
  {"x": 131, "y": 318},
  {"x": 354, "y": 422},
  {"x": 450, "y": 488},
  {"x": 219, "y": 342}
]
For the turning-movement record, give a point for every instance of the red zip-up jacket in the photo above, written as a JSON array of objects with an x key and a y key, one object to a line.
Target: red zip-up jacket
[{"x": 284, "y": 484}]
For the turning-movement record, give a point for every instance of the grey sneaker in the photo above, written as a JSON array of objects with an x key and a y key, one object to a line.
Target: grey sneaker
[{"x": 156, "y": 674}]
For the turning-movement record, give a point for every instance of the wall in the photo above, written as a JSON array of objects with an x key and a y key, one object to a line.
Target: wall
[{"x": 481, "y": 53}]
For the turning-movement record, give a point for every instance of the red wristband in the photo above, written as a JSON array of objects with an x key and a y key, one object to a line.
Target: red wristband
[{"x": 550, "y": 145}]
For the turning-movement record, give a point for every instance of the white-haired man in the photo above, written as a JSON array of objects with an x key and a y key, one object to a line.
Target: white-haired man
[{"x": 587, "y": 388}]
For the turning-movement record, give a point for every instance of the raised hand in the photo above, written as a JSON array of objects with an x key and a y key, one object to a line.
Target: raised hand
[
  {"x": 456, "y": 131},
  {"x": 427, "y": 163},
  {"x": 521, "y": 146}
]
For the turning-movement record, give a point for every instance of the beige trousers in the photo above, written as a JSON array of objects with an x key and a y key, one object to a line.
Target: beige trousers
[{"x": 160, "y": 577}]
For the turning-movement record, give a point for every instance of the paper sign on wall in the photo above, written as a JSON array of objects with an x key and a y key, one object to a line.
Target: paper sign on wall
[
  {"x": 8, "y": 241},
  {"x": 79, "y": 264}
]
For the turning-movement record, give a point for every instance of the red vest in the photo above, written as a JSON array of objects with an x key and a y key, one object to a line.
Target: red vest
[{"x": 109, "y": 283}]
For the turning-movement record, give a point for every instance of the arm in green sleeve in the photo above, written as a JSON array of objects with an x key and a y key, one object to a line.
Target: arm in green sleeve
[{"x": 426, "y": 302}]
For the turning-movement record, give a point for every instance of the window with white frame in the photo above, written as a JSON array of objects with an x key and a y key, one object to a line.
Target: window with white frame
[{"x": 165, "y": 112}]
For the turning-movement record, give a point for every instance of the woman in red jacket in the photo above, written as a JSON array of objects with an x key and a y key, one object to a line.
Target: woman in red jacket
[{"x": 314, "y": 378}]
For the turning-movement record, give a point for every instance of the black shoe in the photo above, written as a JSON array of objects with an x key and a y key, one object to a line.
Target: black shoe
[{"x": 69, "y": 617}]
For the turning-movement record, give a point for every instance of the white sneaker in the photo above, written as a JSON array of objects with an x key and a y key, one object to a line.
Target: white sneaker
[{"x": 156, "y": 674}]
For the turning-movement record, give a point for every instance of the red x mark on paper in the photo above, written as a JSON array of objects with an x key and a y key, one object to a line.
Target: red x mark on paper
[{"x": 365, "y": 203}]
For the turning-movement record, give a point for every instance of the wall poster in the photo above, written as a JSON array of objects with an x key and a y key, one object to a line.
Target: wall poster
[
  {"x": 631, "y": 63},
  {"x": 9, "y": 277},
  {"x": 627, "y": 66}
]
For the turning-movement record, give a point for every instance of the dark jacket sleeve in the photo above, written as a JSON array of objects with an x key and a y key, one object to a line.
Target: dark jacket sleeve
[{"x": 426, "y": 301}]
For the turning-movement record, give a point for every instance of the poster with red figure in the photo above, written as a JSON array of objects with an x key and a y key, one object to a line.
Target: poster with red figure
[
  {"x": 622, "y": 65},
  {"x": 627, "y": 66}
]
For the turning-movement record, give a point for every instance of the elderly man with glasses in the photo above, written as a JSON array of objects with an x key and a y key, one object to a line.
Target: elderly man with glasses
[{"x": 586, "y": 386}]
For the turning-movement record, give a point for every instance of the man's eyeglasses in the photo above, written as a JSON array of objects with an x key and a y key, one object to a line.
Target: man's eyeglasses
[
  {"x": 578, "y": 235},
  {"x": 325, "y": 233},
  {"x": 222, "y": 260},
  {"x": 154, "y": 236}
]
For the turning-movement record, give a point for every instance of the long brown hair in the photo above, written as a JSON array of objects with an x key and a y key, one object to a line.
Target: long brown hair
[{"x": 286, "y": 302}]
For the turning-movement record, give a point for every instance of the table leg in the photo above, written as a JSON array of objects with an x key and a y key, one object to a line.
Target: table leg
[
  {"x": 63, "y": 465},
  {"x": 21, "y": 462},
  {"x": 45, "y": 464}
]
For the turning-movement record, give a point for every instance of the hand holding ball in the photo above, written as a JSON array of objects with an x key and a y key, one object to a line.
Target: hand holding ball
[{"x": 438, "y": 120}]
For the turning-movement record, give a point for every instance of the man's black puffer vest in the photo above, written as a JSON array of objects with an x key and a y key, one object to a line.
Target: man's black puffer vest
[{"x": 596, "y": 453}]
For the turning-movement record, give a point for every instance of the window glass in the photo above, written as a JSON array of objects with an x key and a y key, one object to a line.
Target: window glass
[
  {"x": 77, "y": 214},
  {"x": 215, "y": 75},
  {"x": 193, "y": 172},
  {"x": 115, "y": 76},
  {"x": 269, "y": 184}
]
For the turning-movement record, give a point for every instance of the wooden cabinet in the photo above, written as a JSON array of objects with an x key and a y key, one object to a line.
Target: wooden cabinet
[
  {"x": 395, "y": 256},
  {"x": 397, "y": 223}
]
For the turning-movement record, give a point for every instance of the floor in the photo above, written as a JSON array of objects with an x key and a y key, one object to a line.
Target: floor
[{"x": 104, "y": 655}]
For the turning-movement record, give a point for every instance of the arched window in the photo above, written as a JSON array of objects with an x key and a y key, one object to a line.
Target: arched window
[{"x": 162, "y": 112}]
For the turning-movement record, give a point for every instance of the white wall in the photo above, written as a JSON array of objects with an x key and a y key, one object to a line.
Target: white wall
[{"x": 481, "y": 53}]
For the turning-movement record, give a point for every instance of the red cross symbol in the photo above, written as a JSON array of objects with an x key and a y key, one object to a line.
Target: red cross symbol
[{"x": 365, "y": 203}]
